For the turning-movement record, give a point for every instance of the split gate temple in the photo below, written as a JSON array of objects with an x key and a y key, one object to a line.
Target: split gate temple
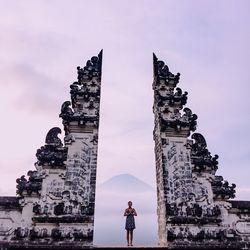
[{"x": 55, "y": 204}]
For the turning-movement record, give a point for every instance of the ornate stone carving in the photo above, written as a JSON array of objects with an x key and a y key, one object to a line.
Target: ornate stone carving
[
  {"x": 55, "y": 207},
  {"x": 21, "y": 232},
  {"x": 37, "y": 209},
  {"x": 161, "y": 72},
  {"x": 85, "y": 96},
  {"x": 178, "y": 122},
  {"x": 192, "y": 202},
  {"x": 53, "y": 153},
  {"x": 66, "y": 111},
  {"x": 172, "y": 99},
  {"x": 222, "y": 189},
  {"x": 201, "y": 157},
  {"x": 92, "y": 69},
  {"x": 34, "y": 184},
  {"x": 212, "y": 235}
]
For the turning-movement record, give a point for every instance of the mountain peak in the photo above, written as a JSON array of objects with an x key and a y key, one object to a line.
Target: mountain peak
[{"x": 126, "y": 183}]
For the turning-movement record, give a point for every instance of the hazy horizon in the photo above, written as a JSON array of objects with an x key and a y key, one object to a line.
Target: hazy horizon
[{"x": 111, "y": 201}]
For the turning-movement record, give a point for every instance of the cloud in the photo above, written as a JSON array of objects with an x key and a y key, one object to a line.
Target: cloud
[
  {"x": 37, "y": 92},
  {"x": 42, "y": 42}
]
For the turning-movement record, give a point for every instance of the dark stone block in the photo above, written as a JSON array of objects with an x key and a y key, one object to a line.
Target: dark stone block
[{"x": 10, "y": 202}]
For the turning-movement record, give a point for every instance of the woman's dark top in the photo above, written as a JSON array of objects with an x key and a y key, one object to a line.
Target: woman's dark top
[{"x": 130, "y": 221}]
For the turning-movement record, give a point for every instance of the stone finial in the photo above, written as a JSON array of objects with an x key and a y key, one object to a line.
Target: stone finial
[
  {"x": 161, "y": 72},
  {"x": 52, "y": 153},
  {"x": 33, "y": 184},
  {"x": 221, "y": 188},
  {"x": 52, "y": 137},
  {"x": 93, "y": 68},
  {"x": 201, "y": 157}
]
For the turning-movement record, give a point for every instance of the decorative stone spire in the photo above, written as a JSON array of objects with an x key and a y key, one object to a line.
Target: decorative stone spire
[
  {"x": 161, "y": 72},
  {"x": 93, "y": 69},
  {"x": 85, "y": 96},
  {"x": 169, "y": 102},
  {"x": 201, "y": 157},
  {"x": 191, "y": 198},
  {"x": 56, "y": 202},
  {"x": 81, "y": 122}
]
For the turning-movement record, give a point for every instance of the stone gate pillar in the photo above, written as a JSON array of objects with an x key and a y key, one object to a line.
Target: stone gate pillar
[
  {"x": 81, "y": 122},
  {"x": 54, "y": 207},
  {"x": 193, "y": 203},
  {"x": 173, "y": 162}
]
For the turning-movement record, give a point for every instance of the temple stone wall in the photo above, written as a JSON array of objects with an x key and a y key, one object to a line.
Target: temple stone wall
[
  {"x": 55, "y": 203},
  {"x": 9, "y": 219},
  {"x": 194, "y": 206}
]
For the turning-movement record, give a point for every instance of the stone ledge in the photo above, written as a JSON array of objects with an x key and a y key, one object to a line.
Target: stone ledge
[
  {"x": 242, "y": 205},
  {"x": 9, "y": 202}
]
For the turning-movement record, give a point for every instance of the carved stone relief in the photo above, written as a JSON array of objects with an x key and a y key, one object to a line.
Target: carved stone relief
[{"x": 195, "y": 201}]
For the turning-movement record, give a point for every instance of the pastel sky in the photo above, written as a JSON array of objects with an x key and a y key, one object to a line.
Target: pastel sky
[{"x": 42, "y": 43}]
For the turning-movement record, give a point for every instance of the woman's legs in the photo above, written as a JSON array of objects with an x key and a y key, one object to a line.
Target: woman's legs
[
  {"x": 128, "y": 237},
  {"x": 131, "y": 237}
]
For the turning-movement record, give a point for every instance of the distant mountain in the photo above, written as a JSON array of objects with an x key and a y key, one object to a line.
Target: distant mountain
[
  {"x": 125, "y": 183},
  {"x": 112, "y": 197}
]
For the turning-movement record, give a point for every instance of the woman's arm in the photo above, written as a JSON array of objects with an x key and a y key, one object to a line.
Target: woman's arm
[
  {"x": 126, "y": 212},
  {"x": 134, "y": 213}
]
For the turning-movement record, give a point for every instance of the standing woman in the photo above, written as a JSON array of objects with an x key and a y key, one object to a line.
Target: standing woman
[{"x": 130, "y": 222}]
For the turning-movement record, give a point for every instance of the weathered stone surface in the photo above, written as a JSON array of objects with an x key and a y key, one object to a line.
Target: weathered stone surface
[
  {"x": 56, "y": 202},
  {"x": 53, "y": 153},
  {"x": 9, "y": 202},
  {"x": 193, "y": 207}
]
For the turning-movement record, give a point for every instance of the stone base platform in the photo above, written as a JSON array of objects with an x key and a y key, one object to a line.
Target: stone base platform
[{"x": 6, "y": 246}]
